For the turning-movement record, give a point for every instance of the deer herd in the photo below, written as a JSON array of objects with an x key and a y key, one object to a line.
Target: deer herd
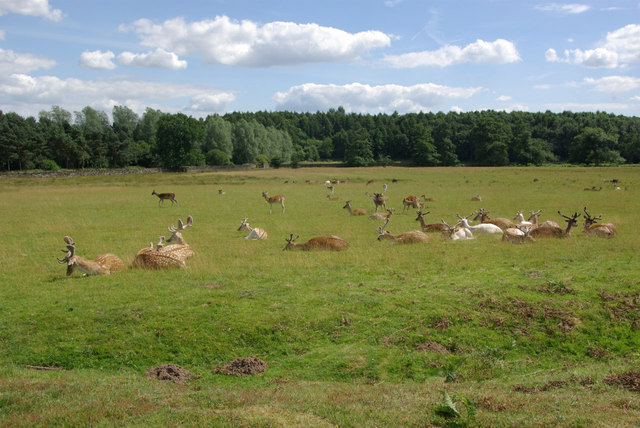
[{"x": 173, "y": 252}]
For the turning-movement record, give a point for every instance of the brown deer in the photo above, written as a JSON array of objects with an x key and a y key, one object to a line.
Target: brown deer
[
  {"x": 104, "y": 264},
  {"x": 382, "y": 216},
  {"x": 553, "y": 231},
  {"x": 380, "y": 201},
  {"x": 476, "y": 198},
  {"x": 428, "y": 199},
  {"x": 410, "y": 201},
  {"x": 517, "y": 236},
  {"x": 277, "y": 199},
  {"x": 534, "y": 217},
  {"x": 256, "y": 233},
  {"x": 179, "y": 246},
  {"x": 502, "y": 223},
  {"x": 604, "y": 230},
  {"x": 320, "y": 243},
  {"x": 357, "y": 211},
  {"x": 432, "y": 227},
  {"x": 163, "y": 196},
  {"x": 150, "y": 258},
  {"x": 411, "y": 237}
]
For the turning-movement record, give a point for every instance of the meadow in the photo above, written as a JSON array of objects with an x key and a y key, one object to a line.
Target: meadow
[{"x": 467, "y": 333}]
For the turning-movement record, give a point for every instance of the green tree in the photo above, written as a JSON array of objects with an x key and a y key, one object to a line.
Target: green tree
[
  {"x": 595, "y": 146},
  {"x": 490, "y": 138},
  {"x": 358, "y": 149},
  {"x": 178, "y": 139}
]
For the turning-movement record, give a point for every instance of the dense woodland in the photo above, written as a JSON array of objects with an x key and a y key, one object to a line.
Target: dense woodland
[{"x": 90, "y": 139}]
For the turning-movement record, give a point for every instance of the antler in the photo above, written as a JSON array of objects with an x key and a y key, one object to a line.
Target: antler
[
  {"x": 591, "y": 219},
  {"x": 160, "y": 244},
  {"x": 575, "y": 216},
  {"x": 71, "y": 250},
  {"x": 291, "y": 238},
  {"x": 181, "y": 226},
  {"x": 386, "y": 222}
]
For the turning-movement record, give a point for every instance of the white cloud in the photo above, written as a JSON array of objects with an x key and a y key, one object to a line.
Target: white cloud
[
  {"x": 31, "y": 8},
  {"x": 614, "y": 83},
  {"x": 97, "y": 60},
  {"x": 571, "y": 8},
  {"x": 245, "y": 43},
  {"x": 28, "y": 94},
  {"x": 11, "y": 62},
  {"x": 372, "y": 99},
  {"x": 2, "y": 34},
  {"x": 158, "y": 58},
  {"x": 499, "y": 51},
  {"x": 504, "y": 98},
  {"x": 620, "y": 47}
]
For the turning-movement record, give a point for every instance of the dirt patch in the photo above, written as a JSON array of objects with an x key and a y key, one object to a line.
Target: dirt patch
[
  {"x": 553, "y": 384},
  {"x": 622, "y": 306},
  {"x": 629, "y": 380},
  {"x": 172, "y": 372},
  {"x": 243, "y": 367},
  {"x": 432, "y": 347}
]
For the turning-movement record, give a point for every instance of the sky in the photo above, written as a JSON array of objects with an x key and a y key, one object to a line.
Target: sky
[{"x": 367, "y": 56}]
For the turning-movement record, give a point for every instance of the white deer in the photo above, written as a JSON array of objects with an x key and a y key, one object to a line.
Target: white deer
[
  {"x": 456, "y": 233},
  {"x": 254, "y": 232},
  {"x": 483, "y": 228}
]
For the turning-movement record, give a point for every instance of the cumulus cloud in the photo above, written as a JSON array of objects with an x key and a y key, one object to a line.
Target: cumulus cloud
[
  {"x": 225, "y": 41},
  {"x": 620, "y": 47},
  {"x": 21, "y": 91},
  {"x": 499, "y": 51},
  {"x": 158, "y": 58},
  {"x": 571, "y": 8},
  {"x": 97, "y": 60},
  {"x": 613, "y": 83},
  {"x": 372, "y": 99},
  {"x": 12, "y": 62},
  {"x": 31, "y": 8},
  {"x": 504, "y": 98}
]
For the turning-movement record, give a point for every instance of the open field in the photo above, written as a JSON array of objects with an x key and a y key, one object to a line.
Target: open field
[{"x": 526, "y": 335}]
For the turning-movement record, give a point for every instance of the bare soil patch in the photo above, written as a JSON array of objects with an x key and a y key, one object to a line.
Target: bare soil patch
[
  {"x": 432, "y": 347},
  {"x": 243, "y": 367},
  {"x": 171, "y": 372}
]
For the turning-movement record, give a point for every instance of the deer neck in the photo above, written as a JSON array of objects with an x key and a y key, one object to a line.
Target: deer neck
[
  {"x": 177, "y": 239},
  {"x": 89, "y": 267}
]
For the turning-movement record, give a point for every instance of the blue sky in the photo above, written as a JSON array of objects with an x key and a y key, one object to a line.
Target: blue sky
[{"x": 368, "y": 56}]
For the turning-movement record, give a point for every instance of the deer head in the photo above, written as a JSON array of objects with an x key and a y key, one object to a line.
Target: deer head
[
  {"x": 290, "y": 242},
  {"x": 70, "y": 257},
  {"x": 176, "y": 235},
  {"x": 588, "y": 220},
  {"x": 571, "y": 221}
]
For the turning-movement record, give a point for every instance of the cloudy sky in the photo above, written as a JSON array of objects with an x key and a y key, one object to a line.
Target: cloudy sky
[{"x": 368, "y": 56}]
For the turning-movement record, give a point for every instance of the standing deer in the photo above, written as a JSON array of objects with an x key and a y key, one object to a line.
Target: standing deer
[
  {"x": 432, "y": 227},
  {"x": 277, "y": 199},
  {"x": 410, "y": 201},
  {"x": 502, "y": 223},
  {"x": 104, "y": 264},
  {"x": 380, "y": 201},
  {"x": 412, "y": 237},
  {"x": 163, "y": 196},
  {"x": 547, "y": 231},
  {"x": 357, "y": 211},
  {"x": 604, "y": 230},
  {"x": 254, "y": 232},
  {"x": 329, "y": 243}
]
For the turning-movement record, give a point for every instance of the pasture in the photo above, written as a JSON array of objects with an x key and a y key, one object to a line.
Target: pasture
[{"x": 545, "y": 333}]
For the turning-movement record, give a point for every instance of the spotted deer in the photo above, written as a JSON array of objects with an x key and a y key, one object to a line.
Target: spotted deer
[
  {"x": 320, "y": 243},
  {"x": 277, "y": 199},
  {"x": 104, "y": 264},
  {"x": 456, "y": 233},
  {"x": 517, "y": 236},
  {"x": 380, "y": 201},
  {"x": 381, "y": 215},
  {"x": 163, "y": 196}
]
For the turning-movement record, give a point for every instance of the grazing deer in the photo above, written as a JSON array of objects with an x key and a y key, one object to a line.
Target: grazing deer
[
  {"x": 327, "y": 243},
  {"x": 382, "y": 216},
  {"x": 104, "y": 264},
  {"x": 502, "y": 223},
  {"x": 277, "y": 199},
  {"x": 163, "y": 196},
  {"x": 412, "y": 237},
  {"x": 370, "y": 181},
  {"x": 604, "y": 230},
  {"x": 410, "y": 201},
  {"x": 455, "y": 233},
  {"x": 254, "y": 232},
  {"x": 432, "y": 227},
  {"x": 483, "y": 228},
  {"x": 517, "y": 236},
  {"x": 380, "y": 201},
  {"x": 553, "y": 231},
  {"x": 357, "y": 211}
]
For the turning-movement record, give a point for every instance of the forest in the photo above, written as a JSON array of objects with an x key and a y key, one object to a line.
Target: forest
[{"x": 92, "y": 139}]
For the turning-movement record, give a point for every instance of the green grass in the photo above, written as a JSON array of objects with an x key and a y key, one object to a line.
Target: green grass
[{"x": 532, "y": 330}]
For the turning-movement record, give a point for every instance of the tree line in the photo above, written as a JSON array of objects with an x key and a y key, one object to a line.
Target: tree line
[{"x": 89, "y": 139}]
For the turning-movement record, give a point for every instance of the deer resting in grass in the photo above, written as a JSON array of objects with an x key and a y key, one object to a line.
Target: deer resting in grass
[
  {"x": 277, "y": 199},
  {"x": 603, "y": 230},
  {"x": 412, "y": 237},
  {"x": 547, "y": 231},
  {"x": 502, "y": 223},
  {"x": 166, "y": 256},
  {"x": 431, "y": 227},
  {"x": 456, "y": 233},
  {"x": 482, "y": 228},
  {"x": 254, "y": 232},
  {"x": 357, "y": 211},
  {"x": 104, "y": 264},
  {"x": 163, "y": 196},
  {"x": 517, "y": 236},
  {"x": 320, "y": 243}
]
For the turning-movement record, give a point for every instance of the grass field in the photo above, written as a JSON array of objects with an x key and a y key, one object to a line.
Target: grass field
[{"x": 541, "y": 334}]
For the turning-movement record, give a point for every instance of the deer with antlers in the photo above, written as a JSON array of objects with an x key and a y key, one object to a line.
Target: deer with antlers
[
  {"x": 356, "y": 211},
  {"x": 163, "y": 196},
  {"x": 431, "y": 227},
  {"x": 166, "y": 256},
  {"x": 456, "y": 233},
  {"x": 603, "y": 230},
  {"x": 255, "y": 233},
  {"x": 380, "y": 201},
  {"x": 104, "y": 264},
  {"x": 411, "y": 202},
  {"x": 534, "y": 220},
  {"x": 320, "y": 243},
  {"x": 502, "y": 223},
  {"x": 517, "y": 236},
  {"x": 277, "y": 199},
  {"x": 411, "y": 237},
  {"x": 547, "y": 231},
  {"x": 381, "y": 215}
]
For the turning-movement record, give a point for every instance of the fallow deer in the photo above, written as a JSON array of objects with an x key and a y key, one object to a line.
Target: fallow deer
[
  {"x": 221, "y": 192},
  {"x": 555, "y": 232},
  {"x": 163, "y": 196},
  {"x": 104, "y": 264},
  {"x": 179, "y": 246},
  {"x": 277, "y": 199},
  {"x": 410, "y": 201},
  {"x": 502, "y": 223},
  {"x": 150, "y": 258},
  {"x": 482, "y": 228},
  {"x": 411, "y": 237},
  {"x": 380, "y": 201},
  {"x": 381, "y": 215},
  {"x": 455, "y": 233},
  {"x": 604, "y": 230},
  {"x": 254, "y": 232},
  {"x": 426, "y": 198},
  {"x": 320, "y": 243},
  {"x": 534, "y": 220},
  {"x": 520, "y": 219},
  {"x": 517, "y": 236},
  {"x": 432, "y": 227},
  {"x": 476, "y": 198},
  {"x": 357, "y": 211}
]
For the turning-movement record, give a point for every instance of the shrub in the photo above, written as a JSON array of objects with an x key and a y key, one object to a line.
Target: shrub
[{"x": 217, "y": 157}]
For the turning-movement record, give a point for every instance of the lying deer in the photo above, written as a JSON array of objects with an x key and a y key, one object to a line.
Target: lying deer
[
  {"x": 547, "y": 231},
  {"x": 163, "y": 196},
  {"x": 412, "y": 237},
  {"x": 502, "y": 223},
  {"x": 179, "y": 247},
  {"x": 104, "y": 264},
  {"x": 604, "y": 230},
  {"x": 330, "y": 243},
  {"x": 357, "y": 211},
  {"x": 150, "y": 258},
  {"x": 456, "y": 233},
  {"x": 431, "y": 227},
  {"x": 381, "y": 215},
  {"x": 517, "y": 236},
  {"x": 254, "y": 232}
]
